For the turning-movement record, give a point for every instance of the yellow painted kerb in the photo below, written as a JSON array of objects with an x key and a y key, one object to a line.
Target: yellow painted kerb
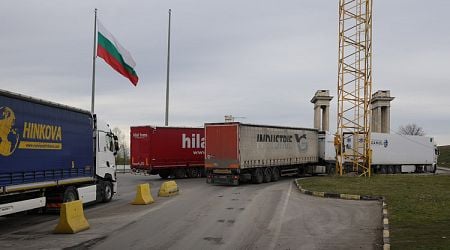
[
  {"x": 350, "y": 196},
  {"x": 321, "y": 194}
]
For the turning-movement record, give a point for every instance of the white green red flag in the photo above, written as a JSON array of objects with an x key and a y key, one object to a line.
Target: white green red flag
[{"x": 115, "y": 55}]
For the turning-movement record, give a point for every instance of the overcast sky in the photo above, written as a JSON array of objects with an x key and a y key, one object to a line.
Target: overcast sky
[{"x": 262, "y": 60}]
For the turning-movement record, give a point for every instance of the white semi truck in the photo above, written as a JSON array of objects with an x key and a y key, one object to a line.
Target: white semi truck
[{"x": 391, "y": 153}]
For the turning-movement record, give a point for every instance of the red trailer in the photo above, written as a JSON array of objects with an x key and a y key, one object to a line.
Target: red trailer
[{"x": 168, "y": 151}]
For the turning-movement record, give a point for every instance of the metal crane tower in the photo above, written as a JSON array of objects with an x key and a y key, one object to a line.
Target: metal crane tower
[{"x": 352, "y": 139}]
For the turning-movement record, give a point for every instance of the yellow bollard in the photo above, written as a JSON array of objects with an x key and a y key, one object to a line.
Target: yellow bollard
[
  {"x": 143, "y": 195},
  {"x": 168, "y": 188},
  {"x": 71, "y": 219}
]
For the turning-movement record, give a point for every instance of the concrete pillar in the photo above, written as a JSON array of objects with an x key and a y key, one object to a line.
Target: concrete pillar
[
  {"x": 374, "y": 114},
  {"x": 317, "y": 117},
  {"x": 378, "y": 120},
  {"x": 387, "y": 126},
  {"x": 380, "y": 106},
  {"x": 326, "y": 118},
  {"x": 321, "y": 101}
]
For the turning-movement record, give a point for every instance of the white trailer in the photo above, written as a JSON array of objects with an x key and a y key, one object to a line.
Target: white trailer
[{"x": 391, "y": 153}]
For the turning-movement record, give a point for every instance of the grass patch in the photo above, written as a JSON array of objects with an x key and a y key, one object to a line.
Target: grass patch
[
  {"x": 444, "y": 157},
  {"x": 418, "y": 205}
]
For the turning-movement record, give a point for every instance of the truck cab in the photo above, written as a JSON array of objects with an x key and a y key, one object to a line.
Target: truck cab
[{"x": 106, "y": 150}]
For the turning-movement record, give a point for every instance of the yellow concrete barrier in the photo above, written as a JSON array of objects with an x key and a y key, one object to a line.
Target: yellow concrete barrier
[
  {"x": 168, "y": 188},
  {"x": 71, "y": 219},
  {"x": 143, "y": 195}
]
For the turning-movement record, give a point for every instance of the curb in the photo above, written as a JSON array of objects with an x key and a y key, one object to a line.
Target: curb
[{"x": 384, "y": 210}]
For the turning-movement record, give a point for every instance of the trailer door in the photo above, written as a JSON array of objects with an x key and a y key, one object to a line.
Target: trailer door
[{"x": 222, "y": 149}]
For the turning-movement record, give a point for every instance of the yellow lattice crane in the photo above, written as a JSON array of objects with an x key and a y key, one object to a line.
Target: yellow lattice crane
[{"x": 354, "y": 87}]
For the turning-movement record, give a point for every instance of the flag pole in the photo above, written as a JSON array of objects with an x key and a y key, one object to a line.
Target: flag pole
[
  {"x": 168, "y": 70},
  {"x": 93, "y": 61}
]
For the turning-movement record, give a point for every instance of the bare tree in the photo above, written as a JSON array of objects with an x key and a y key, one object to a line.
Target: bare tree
[
  {"x": 122, "y": 156},
  {"x": 411, "y": 129}
]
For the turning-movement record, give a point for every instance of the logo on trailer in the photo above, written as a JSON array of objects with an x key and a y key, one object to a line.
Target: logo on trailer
[
  {"x": 195, "y": 141},
  {"x": 9, "y": 138},
  {"x": 302, "y": 142},
  {"x": 384, "y": 143},
  {"x": 34, "y": 135},
  {"x": 284, "y": 141},
  {"x": 140, "y": 135}
]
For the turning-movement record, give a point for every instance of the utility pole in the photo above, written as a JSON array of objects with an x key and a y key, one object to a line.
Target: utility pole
[
  {"x": 166, "y": 121},
  {"x": 94, "y": 56}
]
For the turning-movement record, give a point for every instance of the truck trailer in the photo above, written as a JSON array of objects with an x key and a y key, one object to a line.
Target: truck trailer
[
  {"x": 52, "y": 153},
  {"x": 391, "y": 153},
  {"x": 237, "y": 152},
  {"x": 168, "y": 151}
]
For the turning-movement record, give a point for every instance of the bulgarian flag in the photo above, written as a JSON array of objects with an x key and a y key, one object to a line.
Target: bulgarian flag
[{"x": 115, "y": 55}]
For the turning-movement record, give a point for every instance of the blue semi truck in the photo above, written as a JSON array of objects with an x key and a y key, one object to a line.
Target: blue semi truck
[{"x": 52, "y": 153}]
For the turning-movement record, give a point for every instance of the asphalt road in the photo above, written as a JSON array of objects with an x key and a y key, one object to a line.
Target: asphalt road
[
  {"x": 441, "y": 170},
  {"x": 266, "y": 216}
]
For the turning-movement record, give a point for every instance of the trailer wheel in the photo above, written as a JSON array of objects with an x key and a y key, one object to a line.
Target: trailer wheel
[
  {"x": 390, "y": 170},
  {"x": 180, "y": 173},
  {"x": 192, "y": 173},
  {"x": 164, "y": 174},
  {"x": 267, "y": 175},
  {"x": 257, "y": 176},
  {"x": 107, "y": 191},
  {"x": 275, "y": 174},
  {"x": 70, "y": 194}
]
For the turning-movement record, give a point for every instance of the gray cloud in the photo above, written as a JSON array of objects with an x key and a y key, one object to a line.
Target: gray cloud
[{"x": 260, "y": 60}]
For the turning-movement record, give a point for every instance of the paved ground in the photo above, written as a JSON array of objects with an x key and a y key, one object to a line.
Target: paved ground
[
  {"x": 265, "y": 216},
  {"x": 441, "y": 170}
]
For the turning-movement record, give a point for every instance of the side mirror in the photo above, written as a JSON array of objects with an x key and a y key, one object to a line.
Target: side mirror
[{"x": 116, "y": 145}]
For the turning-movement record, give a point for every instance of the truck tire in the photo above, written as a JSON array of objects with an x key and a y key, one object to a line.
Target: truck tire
[
  {"x": 70, "y": 194},
  {"x": 192, "y": 173},
  {"x": 164, "y": 174},
  {"x": 390, "y": 170},
  {"x": 257, "y": 176},
  {"x": 267, "y": 175},
  {"x": 107, "y": 191},
  {"x": 275, "y": 174},
  {"x": 180, "y": 173}
]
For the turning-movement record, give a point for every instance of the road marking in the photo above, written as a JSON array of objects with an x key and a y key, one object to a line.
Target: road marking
[{"x": 280, "y": 221}]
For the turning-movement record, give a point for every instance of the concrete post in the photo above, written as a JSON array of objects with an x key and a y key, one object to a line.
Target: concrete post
[
  {"x": 387, "y": 127},
  {"x": 321, "y": 101},
  {"x": 374, "y": 114},
  {"x": 380, "y": 106},
  {"x": 326, "y": 118},
  {"x": 378, "y": 120},
  {"x": 317, "y": 117}
]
